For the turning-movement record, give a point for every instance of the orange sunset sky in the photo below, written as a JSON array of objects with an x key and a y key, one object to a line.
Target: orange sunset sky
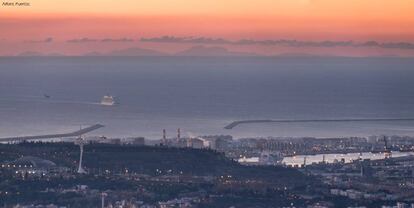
[{"x": 48, "y": 26}]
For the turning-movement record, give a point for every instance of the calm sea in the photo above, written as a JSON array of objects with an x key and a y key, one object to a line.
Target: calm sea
[{"x": 202, "y": 95}]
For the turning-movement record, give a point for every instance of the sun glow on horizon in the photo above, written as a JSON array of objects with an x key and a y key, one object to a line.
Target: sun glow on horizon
[{"x": 311, "y": 20}]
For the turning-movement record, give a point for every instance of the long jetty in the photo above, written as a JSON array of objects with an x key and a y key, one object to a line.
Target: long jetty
[
  {"x": 236, "y": 123},
  {"x": 53, "y": 136}
]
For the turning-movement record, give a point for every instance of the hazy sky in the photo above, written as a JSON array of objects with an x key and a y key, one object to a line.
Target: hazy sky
[{"x": 48, "y": 25}]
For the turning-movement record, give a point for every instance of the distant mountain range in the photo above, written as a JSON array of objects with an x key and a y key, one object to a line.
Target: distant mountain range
[
  {"x": 35, "y": 53},
  {"x": 212, "y": 51},
  {"x": 136, "y": 52},
  {"x": 196, "y": 51},
  {"x": 193, "y": 51}
]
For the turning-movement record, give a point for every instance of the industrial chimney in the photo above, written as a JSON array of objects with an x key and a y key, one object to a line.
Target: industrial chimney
[{"x": 164, "y": 134}]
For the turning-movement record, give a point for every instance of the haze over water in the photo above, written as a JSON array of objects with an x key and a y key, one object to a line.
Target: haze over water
[{"x": 202, "y": 95}]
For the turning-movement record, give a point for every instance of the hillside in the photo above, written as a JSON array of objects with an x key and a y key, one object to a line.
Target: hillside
[{"x": 150, "y": 160}]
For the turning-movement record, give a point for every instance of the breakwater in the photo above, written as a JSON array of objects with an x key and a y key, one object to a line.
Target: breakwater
[{"x": 236, "y": 123}]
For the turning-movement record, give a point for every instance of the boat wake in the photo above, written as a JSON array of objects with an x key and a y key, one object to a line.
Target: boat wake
[{"x": 40, "y": 99}]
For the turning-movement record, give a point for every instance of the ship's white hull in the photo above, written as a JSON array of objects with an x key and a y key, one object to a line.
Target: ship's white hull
[{"x": 108, "y": 101}]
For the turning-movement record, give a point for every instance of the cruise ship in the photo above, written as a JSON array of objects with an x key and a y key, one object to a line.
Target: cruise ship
[{"x": 108, "y": 100}]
